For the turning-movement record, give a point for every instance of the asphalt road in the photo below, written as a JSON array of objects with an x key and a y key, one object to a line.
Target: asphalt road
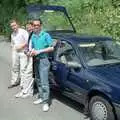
[{"x": 12, "y": 108}]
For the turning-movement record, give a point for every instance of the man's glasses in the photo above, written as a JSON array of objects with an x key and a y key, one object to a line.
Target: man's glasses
[{"x": 36, "y": 24}]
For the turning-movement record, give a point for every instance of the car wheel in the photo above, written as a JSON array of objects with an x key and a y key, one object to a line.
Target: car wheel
[{"x": 100, "y": 109}]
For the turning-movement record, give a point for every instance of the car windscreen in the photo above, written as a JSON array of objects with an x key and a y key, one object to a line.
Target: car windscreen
[
  {"x": 52, "y": 20},
  {"x": 100, "y": 53}
]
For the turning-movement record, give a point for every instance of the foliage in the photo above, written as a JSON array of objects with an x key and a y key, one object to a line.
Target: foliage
[
  {"x": 9, "y": 9},
  {"x": 97, "y": 17}
]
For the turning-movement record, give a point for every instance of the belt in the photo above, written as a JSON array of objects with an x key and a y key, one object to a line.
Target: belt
[
  {"x": 42, "y": 57},
  {"x": 38, "y": 57}
]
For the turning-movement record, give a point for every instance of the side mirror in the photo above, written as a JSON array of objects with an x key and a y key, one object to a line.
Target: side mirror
[{"x": 74, "y": 65}]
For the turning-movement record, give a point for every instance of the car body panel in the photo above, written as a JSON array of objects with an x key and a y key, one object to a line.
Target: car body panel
[
  {"x": 78, "y": 82},
  {"x": 78, "y": 85}
]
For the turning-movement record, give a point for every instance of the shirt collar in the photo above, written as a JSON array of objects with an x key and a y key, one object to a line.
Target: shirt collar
[{"x": 40, "y": 34}]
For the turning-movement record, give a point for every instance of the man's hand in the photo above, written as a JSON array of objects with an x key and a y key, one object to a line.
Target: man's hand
[
  {"x": 26, "y": 52},
  {"x": 33, "y": 52}
]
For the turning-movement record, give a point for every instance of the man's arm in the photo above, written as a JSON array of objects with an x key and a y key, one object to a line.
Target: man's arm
[
  {"x": 24, "y": 44},
  {"x": 20, "y": 46},
  {"x": 45, "y": 50}
]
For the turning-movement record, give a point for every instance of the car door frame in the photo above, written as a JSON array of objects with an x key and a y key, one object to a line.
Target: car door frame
[{"x": 78, "y": 93}]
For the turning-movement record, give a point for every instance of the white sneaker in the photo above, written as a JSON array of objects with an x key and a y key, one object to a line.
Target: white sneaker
[
  {"x": 19, "y": 94},
  {"x": 45, "y": 107},
  {"x": 38, "y": 101},
  {"x": 26, "y": 95}
]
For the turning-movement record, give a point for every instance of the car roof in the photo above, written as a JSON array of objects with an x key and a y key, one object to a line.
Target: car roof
[
  {"x": 73, "y": 38},
  {"x": 38, "y": 7}
]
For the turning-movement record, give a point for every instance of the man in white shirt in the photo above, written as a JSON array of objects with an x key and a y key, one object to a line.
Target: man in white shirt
[
  {"x": 28, "y": 86},
  {"x": 19, "y": 39}
]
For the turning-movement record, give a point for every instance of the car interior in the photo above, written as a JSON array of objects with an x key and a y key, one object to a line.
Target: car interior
[{"x": 67, "y": 55}]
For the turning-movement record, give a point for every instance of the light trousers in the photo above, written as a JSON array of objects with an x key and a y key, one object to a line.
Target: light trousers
[{"x": 22, "y": 70}]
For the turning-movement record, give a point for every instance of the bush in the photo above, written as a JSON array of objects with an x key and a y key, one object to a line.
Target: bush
[{"x": 97, "y": 17}]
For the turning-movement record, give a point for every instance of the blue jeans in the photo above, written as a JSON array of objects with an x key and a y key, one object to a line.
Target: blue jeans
[{"x": 41, "y": 77}]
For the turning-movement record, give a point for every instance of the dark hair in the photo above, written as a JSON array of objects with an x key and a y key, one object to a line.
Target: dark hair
[
  {"x": 30, "y": 22},
  {"x": 38, "y": 20}
]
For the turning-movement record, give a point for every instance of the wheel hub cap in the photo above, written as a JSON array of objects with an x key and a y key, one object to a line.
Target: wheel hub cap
[{"x": 99, "y": 111}]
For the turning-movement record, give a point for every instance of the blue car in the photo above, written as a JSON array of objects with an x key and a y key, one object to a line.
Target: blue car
[{"x": 83, "y": 68}]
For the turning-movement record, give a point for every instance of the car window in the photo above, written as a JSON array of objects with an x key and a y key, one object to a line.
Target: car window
[
  {"x": 51, "y": 18},
  {"x": 100, "y": 53},
  {"x": 67, "y": 55}
]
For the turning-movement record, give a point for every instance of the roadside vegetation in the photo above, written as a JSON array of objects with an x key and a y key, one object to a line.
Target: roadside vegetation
[{"x": 96, "y": 17}]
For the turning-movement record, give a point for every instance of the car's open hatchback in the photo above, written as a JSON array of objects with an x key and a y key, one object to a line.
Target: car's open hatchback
[{"x": 54, "y": 18}]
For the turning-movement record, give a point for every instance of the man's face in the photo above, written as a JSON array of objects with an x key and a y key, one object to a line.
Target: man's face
[
  {"x": 29, "y": 27},
  {"x": 37, "y": 26},
  {"x": 14, "y": 26}
]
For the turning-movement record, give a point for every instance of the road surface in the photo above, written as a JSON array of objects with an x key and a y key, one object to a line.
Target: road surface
[{"x": 12, "y": 108}]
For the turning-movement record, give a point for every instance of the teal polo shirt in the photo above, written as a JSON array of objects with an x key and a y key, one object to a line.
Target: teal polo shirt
[{"x": 41, "y": 41}]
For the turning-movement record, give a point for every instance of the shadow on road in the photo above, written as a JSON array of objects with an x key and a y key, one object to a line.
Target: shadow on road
[{"x": 67, "y": 101}]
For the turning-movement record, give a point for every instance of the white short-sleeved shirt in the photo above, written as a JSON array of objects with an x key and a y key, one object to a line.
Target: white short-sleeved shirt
[{"x": 19, "y": 37}]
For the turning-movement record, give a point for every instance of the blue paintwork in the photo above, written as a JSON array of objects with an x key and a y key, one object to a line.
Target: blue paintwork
[
  {"x": 78, "y": 85},
  {"x": 104, "y": 79},
  {"x": 75, "y": 39},
  {"x": 108, "y": 77},
  {"x": 38, "y": 7}
]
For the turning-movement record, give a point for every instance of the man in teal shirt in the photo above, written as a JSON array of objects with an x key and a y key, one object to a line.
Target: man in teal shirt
[{"x": 41, "y": 46}]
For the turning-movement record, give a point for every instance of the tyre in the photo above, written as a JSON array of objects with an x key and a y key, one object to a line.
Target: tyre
[{"x": 100, "y": 109}]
